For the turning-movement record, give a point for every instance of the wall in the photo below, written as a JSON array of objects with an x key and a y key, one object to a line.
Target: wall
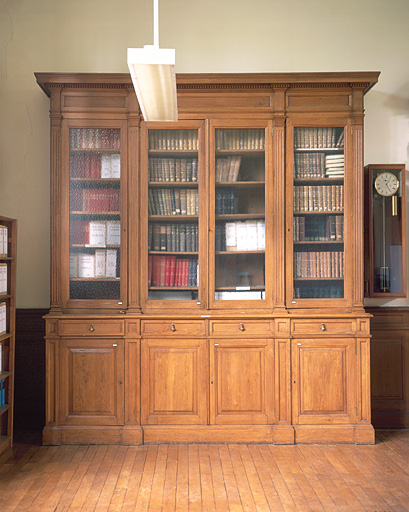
[{"x": 210, "y": 36}]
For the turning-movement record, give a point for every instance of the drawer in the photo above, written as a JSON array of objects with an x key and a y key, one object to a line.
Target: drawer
[
  {"x": 246, "y": 327},
  {"x": 173, "y": 327},
  {"x": 91, "y": 327},
  {"x": 323, "y": 326}
]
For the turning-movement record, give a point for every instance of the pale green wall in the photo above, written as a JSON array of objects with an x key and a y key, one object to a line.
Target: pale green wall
[{"x": 209, "y": 36}]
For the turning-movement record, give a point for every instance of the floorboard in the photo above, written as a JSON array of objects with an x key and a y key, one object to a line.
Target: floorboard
[{"x": 207, "y": 477}]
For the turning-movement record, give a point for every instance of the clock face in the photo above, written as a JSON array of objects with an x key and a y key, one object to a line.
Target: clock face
[{"x": 386, "y": 184}]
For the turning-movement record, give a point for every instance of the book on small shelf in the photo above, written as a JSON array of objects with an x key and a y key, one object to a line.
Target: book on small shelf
[
  {"x": 172, "y": 271},
  {"x": 318, "y": 138},
  {"x": 173, "y": 140},
  {"x": 329, "y": 228},
  {"x": 183, "y": 201},
  {"x": 95, "y": 200},
  {"x": 100, "y": 264},
  {"x": 240, "y": 236},
  {"x": 95, "y": 138},
  {"x": 227, "y": 168},
  {"x": 240, "y": 139},
  {"x": 319, "y": 264},
  {"x": 173, "y": 237},
  {"x": 319, "y": 198},
  {"x": 95, "y": 233},
  {"x": 173, "y": 169},
  {"x": 95, "y": 166}
]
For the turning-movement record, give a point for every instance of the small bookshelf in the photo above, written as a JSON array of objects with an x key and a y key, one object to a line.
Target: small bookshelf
[{"x": 8, "y": 262}]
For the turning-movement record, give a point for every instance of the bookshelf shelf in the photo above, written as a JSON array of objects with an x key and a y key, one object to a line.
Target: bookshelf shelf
[
  {"x": 240, "y": 216},
  {"x": 173, "y": 184},
  {"x": 8, "y": 247}
]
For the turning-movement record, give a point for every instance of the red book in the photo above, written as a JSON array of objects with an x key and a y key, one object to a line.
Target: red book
[
  {"x": 177, "y": 272},
  {"x": 167, "y": 270},
  {"x": 162, "y": 271},
  {"x": 150, "y": 266},
  {"x": 172, "y": 270},
  {"x": 155, "y": 270}
]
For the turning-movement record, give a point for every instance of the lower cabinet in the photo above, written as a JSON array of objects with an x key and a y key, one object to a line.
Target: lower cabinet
[
  {"x": 197, "y": 382},
  {"x": 91, "y": 381},
  {"x": 324, "y": 382},
  {"x": 174, "y": 382},
  {"x": 241, "y": 382}
]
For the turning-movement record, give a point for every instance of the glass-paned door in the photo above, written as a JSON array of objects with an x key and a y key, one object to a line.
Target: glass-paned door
[
  {"x": 318, "y": 213},
  {"x": 95, "y": 221},
  {"x": 239, "y": 214},
  {"x": 173, "y": 215}
]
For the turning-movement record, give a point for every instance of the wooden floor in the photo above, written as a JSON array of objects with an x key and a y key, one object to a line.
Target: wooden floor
[{"x": 207, "y": 477}]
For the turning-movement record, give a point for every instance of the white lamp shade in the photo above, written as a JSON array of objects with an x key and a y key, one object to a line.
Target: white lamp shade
[{"x": 153, "y": 75}]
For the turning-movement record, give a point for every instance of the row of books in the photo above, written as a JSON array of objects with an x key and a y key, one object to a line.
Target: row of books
[
  {"x": 2, "y": 393},
  {"x": 318, "y": 165},
  {"x": 323, "y": 291},
  {"x": 240, "y": 236},
  {"x": 173, "y": 237},
  {"x": 95, "y": 138},
  {"x": 172, "y": 271},
  {"x": 95, "y": 233},
  {"x": 95, "y": 199},
  {"x": 319, "y": 198},
  {"x": 183, "y": 201},
  {"x": 225, "y": 201},
  {"x": 320, "y": 138},
  {"x": 246, "y": 139},
  {"x": 100, "y": 264},
  {"x": 227, "y": 168},
  {"x": 173, "y": 169},
  {"x": 3, "y": 317},
  {"x": 95, "y": 166},
  {"x": 3, "y": 278},
  {"x": 318, "y": 228},
  {"x": 4, "y": 239},
  {"x": 319, "y": 264},
  {"x": 174, "y": 140}
]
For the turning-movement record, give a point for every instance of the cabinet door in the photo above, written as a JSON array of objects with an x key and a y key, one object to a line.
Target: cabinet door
[
  {"x": 174, "y": 376},
  {"x": 324, "y": 381},
  {"x": 318, "y": 234},
  {"x": 390, "y": 377},
  {"x": 91, "y": 381},
  {"x": 241, "y": 382},
  {"x": 241, "y": 212},
  {"x": 173, "y": 213},
  {"x": 97, "y": 166}
]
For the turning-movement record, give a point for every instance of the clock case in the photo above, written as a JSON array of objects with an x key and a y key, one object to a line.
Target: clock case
[{"x": 385, "y": 235}]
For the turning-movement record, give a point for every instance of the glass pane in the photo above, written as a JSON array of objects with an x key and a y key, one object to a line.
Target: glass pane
[
  {"x": 173, "y": 208},
  {"x": 95, "y": 229},
  {"x": 318, "y": 212},
  {"x": 240, "y": 214},
  {"x": 387, "y": 233}
]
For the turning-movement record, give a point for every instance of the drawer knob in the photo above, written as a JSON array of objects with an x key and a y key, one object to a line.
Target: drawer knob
[
  {"x": 323, "y": 328},
  {"x": 241, "y": 326},
  {"x": 91, "y": 328},
  {"x": 173, "y": 327}
]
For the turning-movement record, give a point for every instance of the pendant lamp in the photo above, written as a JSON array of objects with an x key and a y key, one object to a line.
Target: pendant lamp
[{"x": 153, "y": 75}]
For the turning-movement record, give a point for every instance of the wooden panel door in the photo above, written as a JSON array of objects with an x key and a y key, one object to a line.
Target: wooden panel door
[
  {"x": 91, "y": 381},
  {"x": 324, "y": 381},
  {"x": 174, "y": 376},
  {"x": 389, "y": 378},
  {"x": 242, "y": 382}
]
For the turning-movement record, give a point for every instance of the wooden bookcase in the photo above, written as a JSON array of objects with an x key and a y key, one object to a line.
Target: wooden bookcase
[
  {"x": 8, "y": 262},
  {"x": 207, "y": 274}
]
